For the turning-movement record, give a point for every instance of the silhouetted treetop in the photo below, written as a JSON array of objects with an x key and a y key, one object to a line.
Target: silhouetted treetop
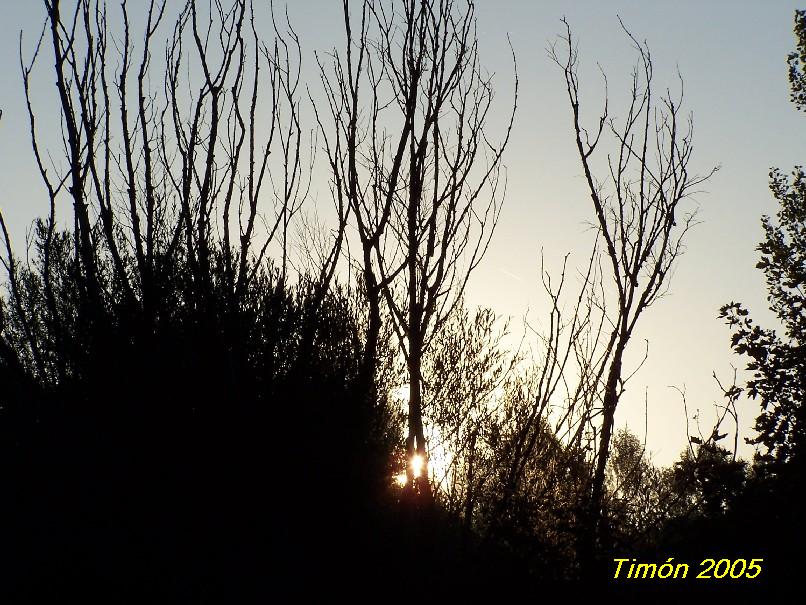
[{"x": 797, "y": 62}]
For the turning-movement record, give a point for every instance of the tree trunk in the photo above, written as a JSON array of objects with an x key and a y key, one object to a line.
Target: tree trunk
[
  {"x": 593, "y": 525},
  {"x": 370, "y": 356},
  {"x": 420, "y": 486}
]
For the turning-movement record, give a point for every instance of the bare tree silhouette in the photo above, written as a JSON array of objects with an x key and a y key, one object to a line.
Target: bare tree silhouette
[
  {"x": 640, "y": 214},
  {"x": 411, "y": 157},
  {"x": 152, "y": 174}
]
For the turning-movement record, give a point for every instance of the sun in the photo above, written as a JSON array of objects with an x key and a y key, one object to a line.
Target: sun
[
  {"x": 417, "y": 465},
  {"x": 439, "y": 463},
  {"x": 440, "y": 458}
]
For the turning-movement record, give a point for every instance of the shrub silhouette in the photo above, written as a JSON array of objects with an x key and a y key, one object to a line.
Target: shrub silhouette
[{"x": 219, "y": 438}]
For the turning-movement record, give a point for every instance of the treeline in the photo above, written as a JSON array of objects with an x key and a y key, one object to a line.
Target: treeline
[{"x": 202, "y": 386}]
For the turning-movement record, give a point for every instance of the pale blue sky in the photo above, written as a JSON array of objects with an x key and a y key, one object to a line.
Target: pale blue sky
[{"x": 732, "y": 57}]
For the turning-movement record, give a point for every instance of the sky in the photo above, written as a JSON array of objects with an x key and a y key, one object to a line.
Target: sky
[{"x": 731, "y": 55}]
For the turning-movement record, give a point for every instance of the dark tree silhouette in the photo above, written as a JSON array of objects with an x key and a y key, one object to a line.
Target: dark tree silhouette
[
  {"x": 640, "y": 212},
  {"x": 164, "y": 378},
  {"x": 777, "y": 358},
  {"x": 411, "y": 157}
]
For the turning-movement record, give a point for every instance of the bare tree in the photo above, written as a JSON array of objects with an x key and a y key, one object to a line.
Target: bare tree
[
  {"x": 640, "y": 214},
  {"x": 188, "y": 169},
  {"x": 411, "y": 157}
]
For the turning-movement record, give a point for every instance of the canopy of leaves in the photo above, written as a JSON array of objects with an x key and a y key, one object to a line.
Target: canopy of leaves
[{"x": 778, "y": 357}]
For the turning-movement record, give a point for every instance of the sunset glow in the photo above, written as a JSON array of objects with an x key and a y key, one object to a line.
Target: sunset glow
[{"x": 417, "y": 465}]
